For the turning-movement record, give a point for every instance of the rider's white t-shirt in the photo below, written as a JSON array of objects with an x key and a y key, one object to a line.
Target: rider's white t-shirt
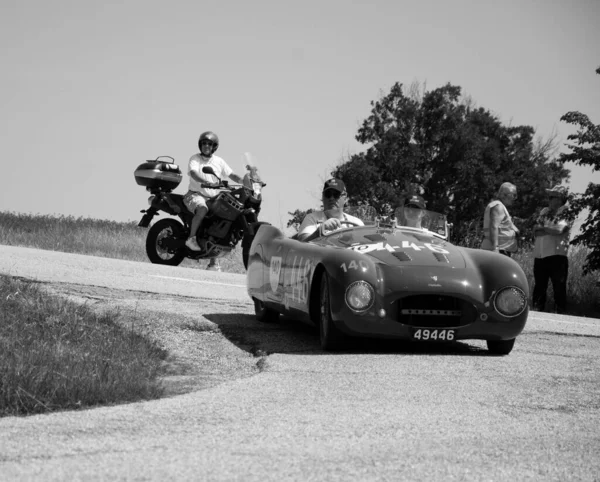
[
  {"x": 197, "y": 162},
  {"x": 312, "y": 221}
]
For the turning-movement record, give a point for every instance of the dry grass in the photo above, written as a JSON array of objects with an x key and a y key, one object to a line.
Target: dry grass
[
  {"x": 95, "y": 237},
  {"x": 55, "y": 354}
]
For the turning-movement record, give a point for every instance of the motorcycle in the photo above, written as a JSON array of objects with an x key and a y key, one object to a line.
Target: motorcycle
[{"x": 232, "y": 215}]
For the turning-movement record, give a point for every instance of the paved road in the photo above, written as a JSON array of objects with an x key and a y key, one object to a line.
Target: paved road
[{"x": 377, "y": 412}]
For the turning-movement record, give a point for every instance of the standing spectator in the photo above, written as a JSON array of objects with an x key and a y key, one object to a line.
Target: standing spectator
[
  {"x": 551, "y": 231},
  {"x": 499, "y": 232}
]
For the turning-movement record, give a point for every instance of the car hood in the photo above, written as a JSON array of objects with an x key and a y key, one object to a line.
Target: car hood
[{"x": 398, "y": 247}]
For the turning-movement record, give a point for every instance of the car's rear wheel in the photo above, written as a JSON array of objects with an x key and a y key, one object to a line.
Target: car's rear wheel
[
  {"x": 500, "y": 347},
  {"x": 263, "y": 313},
  {"x": 331, "y": 337}
]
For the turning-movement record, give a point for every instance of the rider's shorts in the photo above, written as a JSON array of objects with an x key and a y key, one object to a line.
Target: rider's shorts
[{"x": 193, "y": 200}]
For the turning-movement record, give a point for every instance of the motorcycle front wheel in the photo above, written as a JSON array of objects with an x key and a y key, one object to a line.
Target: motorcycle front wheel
[{"x": 160, "y": 236}]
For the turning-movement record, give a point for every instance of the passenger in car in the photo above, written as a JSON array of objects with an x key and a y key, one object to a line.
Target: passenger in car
[{"x": 414, "y": 208}]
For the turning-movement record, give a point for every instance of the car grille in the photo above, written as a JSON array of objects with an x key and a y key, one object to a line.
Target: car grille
[{"x": 435, "y": 311}]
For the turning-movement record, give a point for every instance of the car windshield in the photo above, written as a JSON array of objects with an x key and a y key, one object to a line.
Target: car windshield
[
  {"x": 367, "y": 214},
  {"x": 422, "y": 219},
  {"x": 409, "y": 218}
]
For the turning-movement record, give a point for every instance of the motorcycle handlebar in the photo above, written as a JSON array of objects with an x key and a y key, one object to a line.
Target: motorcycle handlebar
[
  {"x": 218, "y": 185},
  {"x": 211, "y": 185}
]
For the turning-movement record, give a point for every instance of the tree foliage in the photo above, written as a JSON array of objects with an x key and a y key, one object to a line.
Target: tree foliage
[
  {"x": 297, "y": 217},
  {"x": 453, "y": 153},
  {"x": 585, "y": 150}
]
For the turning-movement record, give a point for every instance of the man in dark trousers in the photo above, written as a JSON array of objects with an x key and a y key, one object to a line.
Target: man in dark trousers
[{"x": 551, "y": 231}]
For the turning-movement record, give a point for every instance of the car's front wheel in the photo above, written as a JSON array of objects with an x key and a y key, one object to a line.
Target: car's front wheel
[
  {"x": 500, "y": 347},
  {"x": 331, "y": 337},
  {"x": 263, "y": 313}
]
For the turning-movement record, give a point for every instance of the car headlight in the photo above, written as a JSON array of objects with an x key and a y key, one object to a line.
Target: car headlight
[
  {"x": 359, "y": 296},
  {"x": 510, "y": 301}
]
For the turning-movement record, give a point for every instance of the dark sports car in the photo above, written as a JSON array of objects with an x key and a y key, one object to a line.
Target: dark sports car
[{"x": 389, "y": 280}]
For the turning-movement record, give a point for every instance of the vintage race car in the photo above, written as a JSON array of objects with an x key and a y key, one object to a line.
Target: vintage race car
[{"x": 388, "y": 280}]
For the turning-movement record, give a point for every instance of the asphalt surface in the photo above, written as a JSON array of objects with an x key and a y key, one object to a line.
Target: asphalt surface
[{"x": 379, "y": 411}]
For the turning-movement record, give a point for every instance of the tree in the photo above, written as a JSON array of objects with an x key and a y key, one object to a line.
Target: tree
[
  {"x": 585, "y": 150},
  {"x": 297, "y": 217},
  {"x": 454, "y": 154}
]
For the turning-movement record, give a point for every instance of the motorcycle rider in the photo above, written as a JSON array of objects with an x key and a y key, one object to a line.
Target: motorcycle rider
[{"x": 197, "y": 196}]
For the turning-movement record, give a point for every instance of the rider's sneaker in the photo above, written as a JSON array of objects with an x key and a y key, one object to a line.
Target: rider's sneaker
[
  {"x": 213, "y": 265},
  {"x": 193, "y": 244}
]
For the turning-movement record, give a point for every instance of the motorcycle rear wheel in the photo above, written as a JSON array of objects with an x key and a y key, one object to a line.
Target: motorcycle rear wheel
[{"x": 165, "y": 228}]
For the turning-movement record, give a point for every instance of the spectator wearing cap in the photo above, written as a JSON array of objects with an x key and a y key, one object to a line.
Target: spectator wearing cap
[
  {"x": 332, "y": 216},
  {"x": 413, "y": 211},
  {"x": 499, "y": 231},
  {"x": 550, "y": 263}
]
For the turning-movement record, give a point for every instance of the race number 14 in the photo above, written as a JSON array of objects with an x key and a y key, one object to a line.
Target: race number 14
[{"x": 361, "y": 265}]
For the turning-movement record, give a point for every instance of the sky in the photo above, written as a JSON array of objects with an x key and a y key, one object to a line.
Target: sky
[{"x": 89, "y": 90}]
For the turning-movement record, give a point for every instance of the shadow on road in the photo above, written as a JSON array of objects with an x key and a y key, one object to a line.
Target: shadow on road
[{"x": 292, "y": 336}]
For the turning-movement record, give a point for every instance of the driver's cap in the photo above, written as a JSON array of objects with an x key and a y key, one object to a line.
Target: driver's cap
[
  {"x": 415, "y": 200},
  {"x": 335, "y": 184}
]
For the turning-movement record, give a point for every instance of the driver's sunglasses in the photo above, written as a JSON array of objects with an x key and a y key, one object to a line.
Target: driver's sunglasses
[
  {"x": 332, "y": 194},
  {"x": 207, "y": 143}
]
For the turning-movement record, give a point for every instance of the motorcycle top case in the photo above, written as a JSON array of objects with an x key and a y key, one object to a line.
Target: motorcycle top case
[{"x": 158, "y": 174}]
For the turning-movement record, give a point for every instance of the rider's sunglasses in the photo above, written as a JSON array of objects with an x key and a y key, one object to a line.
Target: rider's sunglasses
[
  {"x": 332, "y": 194},
  {"x": 207, "y": 143}
]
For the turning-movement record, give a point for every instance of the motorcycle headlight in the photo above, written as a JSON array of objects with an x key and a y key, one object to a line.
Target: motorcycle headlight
[
  {"x": 359, "y": 296},
  {"x": 510, "y": 301}
]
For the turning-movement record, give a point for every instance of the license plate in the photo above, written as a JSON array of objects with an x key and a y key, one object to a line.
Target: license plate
[{"x": 433, "y": 334}]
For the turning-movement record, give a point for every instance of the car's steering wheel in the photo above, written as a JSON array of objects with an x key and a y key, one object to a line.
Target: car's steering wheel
[{"x": 351, "y": 224}]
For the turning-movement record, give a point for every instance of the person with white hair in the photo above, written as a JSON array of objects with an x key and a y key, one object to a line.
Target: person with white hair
[{"x": 499, "y": 231}]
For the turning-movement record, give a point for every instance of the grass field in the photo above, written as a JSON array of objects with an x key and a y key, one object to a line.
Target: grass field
[
  {"x": 57, "y": 355},
  {"x": 95, "y": 237}
]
